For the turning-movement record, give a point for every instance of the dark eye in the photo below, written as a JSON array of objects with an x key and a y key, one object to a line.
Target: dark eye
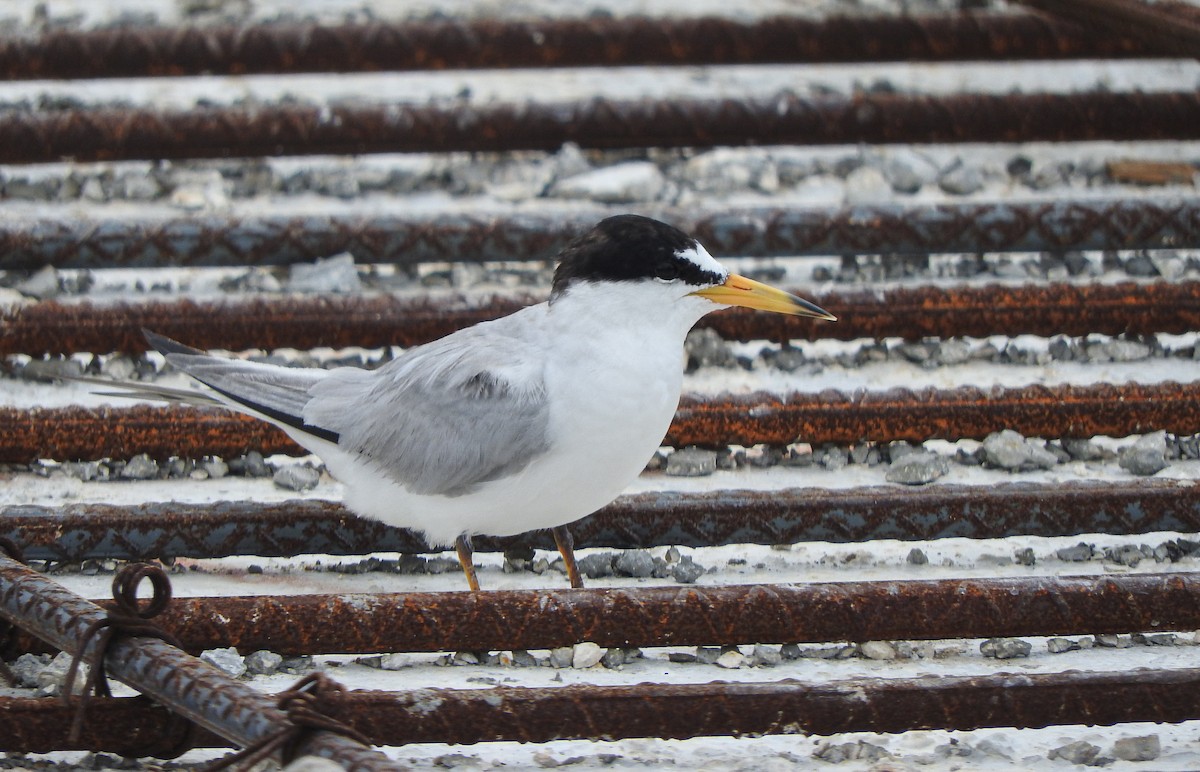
[{"x": 667, "y": 271}]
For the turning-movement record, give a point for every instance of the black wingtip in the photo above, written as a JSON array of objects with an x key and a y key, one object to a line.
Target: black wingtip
[{"x": 165, "y": 345}]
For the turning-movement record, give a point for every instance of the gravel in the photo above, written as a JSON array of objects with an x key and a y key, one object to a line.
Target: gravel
[
  {"x": 336, "y": 274},
  {"x": 1147, "y": 456},
  {"x": 262, "y": 662},
  {"x": 227, "y": 659},
  {"x": 586, "y": 654},
  {"x": 691, "y": 462},
  {"x": 296, "y": 477},
  {"x": 1079, "y": 752},
  {"x": 1009, "y": 450},
  {"x": 1005, "y": 648},
  {"x": 1146, "y": 748},
  {"x": 918, "y": 468}
]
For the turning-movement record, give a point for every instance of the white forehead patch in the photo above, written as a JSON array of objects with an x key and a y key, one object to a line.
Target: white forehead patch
[{"x": 699, "y": 257}]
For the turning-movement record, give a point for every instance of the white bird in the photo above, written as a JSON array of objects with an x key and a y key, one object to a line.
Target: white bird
[{"x": 526, "y": 422}]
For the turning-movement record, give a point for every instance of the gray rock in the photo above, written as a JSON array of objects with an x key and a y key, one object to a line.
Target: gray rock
[
  {"x": 1141, "y": 266},
  {"x": 1077, "y": 554},
  {"x": 333, "y": 274},
  {"x": 1145, "y": 748},
  {"x": 681, "y": 657},
  {"x": 1111, "y": 641},
  {"x": 263, "y": 662},
  {"x": 1126, "y": 350},
  {"x": 216, "y": 468},
  {"x": 585, "y": 655},
  {"x": 832, "y": 457},
  {"x": 1009, "y": 450},
  {"x": 880, "y": 650},
  {"x": 1145, "y": 457},
  {"x": 708, "y": 655},
  {"x": 866, "y": 185},
  {"x": 313, "y": 764},
  {"x": 254, "y": 465},
  {"x": 562, "y": 657},
  {"x": 597, "y": 565},
  {"x": 81, "y": 470},
  {"x": 953, "y": 352},
  {"x": 1005, "y": 648},
  {"x": 1125, "y": 555},
  {"x": 26, "y": 668},
  {"x": 706, "y": 348},
  {"x": 296, "y": 477},
  {"x": 1060, "y": 645},
  {"x": 613, "y": 658},
  {"x": 635, "y": 563},
  {"x": 1080, "y": 752},
  {"x": 731, "y": 660},
  {"x": 297, "y": 664},
  {"x": 686, "y": 571},
  {"x": 765, "y": 656},
  {"x": 692, "y": 462},
  {"x": 856, "y": 751},
  {"x": 226, "y": 659},
  {"x": 622, "y": 183},
  {"x": 140, "y": 467},
  {"x": 43, "y": 284},
  {"x": 790, "y": 651},
  {"x": 522, "y": 658},
  {"x": 789, "y": 359},
  {"x": 961, "y": 180},
  {"x": 919, "y": 468},
  {"x": 917, "y": 557},
  {"x": 1082, "y": 449},
  {"x": 52, "y": 678},
  {"x": 1025, "y": 557}
]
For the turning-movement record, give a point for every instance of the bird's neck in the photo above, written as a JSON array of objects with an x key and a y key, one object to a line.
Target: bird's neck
[{"x": 640, "y": 313}]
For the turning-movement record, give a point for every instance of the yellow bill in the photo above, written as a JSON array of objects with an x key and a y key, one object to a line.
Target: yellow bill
[{"x": 740, "y": 291}]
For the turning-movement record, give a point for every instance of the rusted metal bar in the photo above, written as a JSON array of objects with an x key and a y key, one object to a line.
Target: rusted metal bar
[
  {"x": 667, "y": 616},
  {"x": 160, "y": 530},
  {"x": 128, "y": 726},
  {"x": 979, "y": 226},
  {"x": 1165, "y": 25},
  {"x": 584, "y": 42},
  {"x": 272, "y": 322},
  {"x": 110, "y": 134},
  {"x": 681, "y": 711},
  {"x": 968, "y": 412},
  {"x": 192, "y": 688}
]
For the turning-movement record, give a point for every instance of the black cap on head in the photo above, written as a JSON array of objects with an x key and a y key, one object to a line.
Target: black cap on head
[{"x": 630, "y": 247}]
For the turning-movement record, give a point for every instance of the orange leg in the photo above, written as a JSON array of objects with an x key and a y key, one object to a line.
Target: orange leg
[
  {"x": 566, "y": 547},
  {"x": 463, "y": 547}
]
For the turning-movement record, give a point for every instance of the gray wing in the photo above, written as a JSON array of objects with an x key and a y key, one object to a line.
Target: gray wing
[
  {"x": 447, "y": 416},
  {"x": 276, "y": 393}
]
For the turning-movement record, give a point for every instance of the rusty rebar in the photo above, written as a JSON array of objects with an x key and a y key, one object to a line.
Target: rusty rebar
[
  {"x": 977, "y": 226},
  {"x": 194, "y": 689},
  {"x": 76, "y": 532},
  {"x": 584, "y": 42},
  {"x": 1163, "y": 25},
  {"x": 687, "y": 616},
  {"x": 127, "y": 726},
  {"x": 338, "y": 321},
  {"x": 967, "y": 412},
  {"x": 681, "y": 711},
  {"x": 111, "y": 133}
]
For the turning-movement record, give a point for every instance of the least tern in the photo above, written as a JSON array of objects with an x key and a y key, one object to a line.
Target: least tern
[{"x": 526, "y": 422}]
